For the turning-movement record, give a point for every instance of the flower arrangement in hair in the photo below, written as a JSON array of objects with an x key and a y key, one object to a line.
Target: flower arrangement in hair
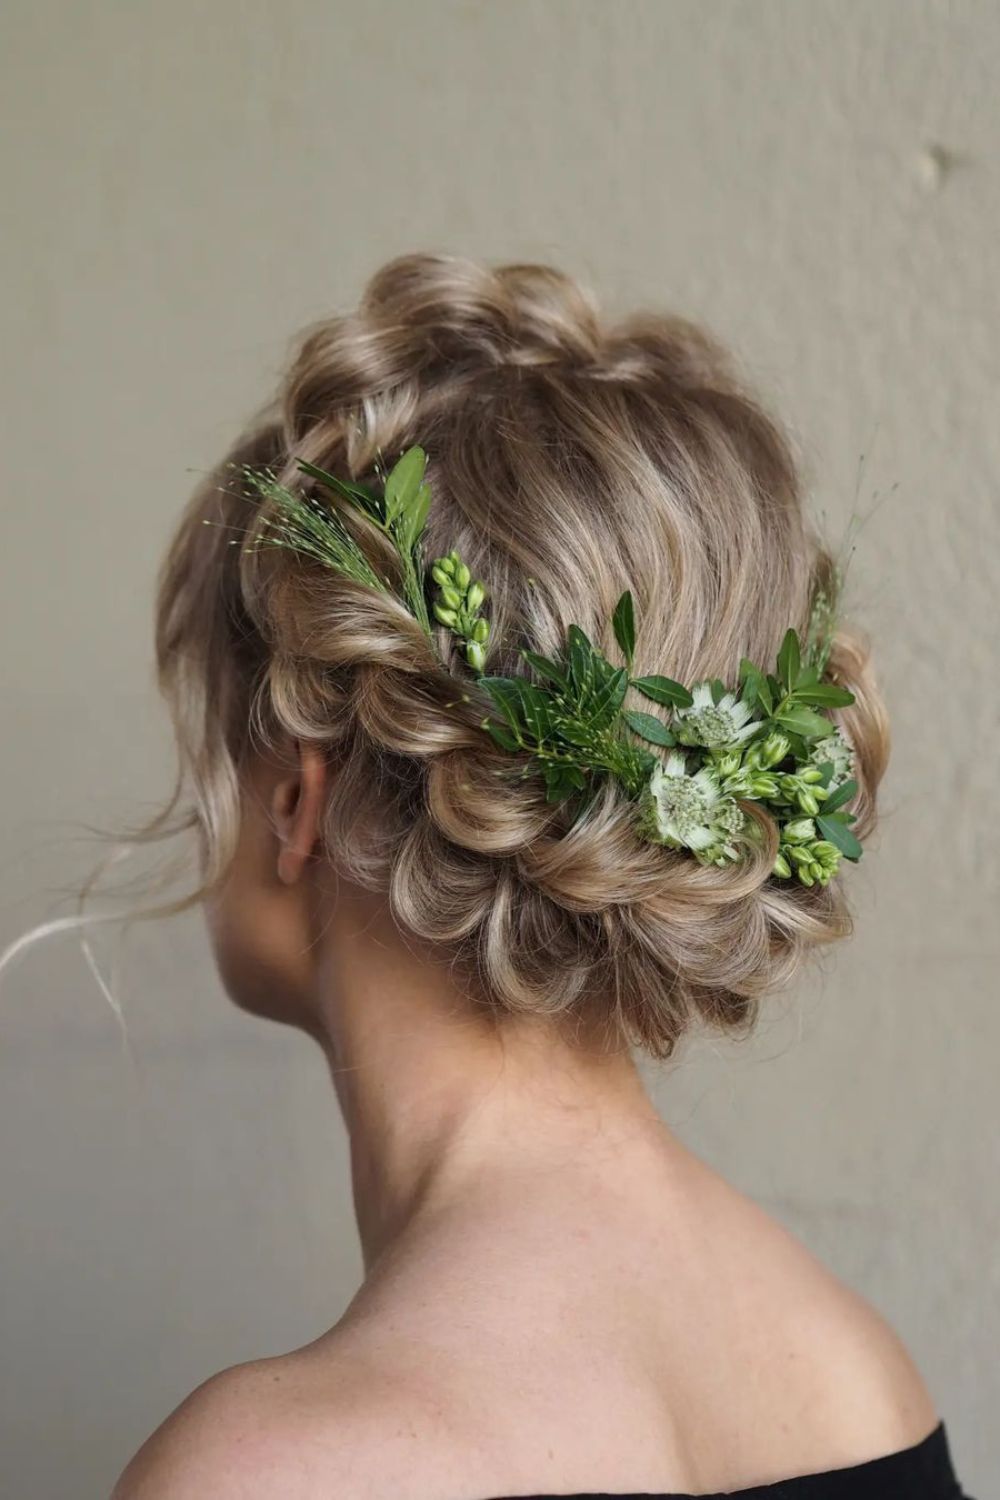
[{"x": 690, "y": 768}]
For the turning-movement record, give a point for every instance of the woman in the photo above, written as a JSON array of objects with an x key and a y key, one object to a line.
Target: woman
[{"x": 478, "y": 913}]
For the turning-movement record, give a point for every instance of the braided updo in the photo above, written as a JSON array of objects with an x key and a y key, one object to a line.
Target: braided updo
[{"x": 569, "y": 460}]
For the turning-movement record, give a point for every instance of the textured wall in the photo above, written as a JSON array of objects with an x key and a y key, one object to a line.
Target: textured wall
[{"x": 187, "y": 184}]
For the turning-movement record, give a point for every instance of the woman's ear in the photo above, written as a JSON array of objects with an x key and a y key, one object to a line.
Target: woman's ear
[{"x": 297, "y": 802}]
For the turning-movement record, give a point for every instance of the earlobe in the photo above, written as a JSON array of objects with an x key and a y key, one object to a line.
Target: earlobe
[{"x": 297, "y": 806}]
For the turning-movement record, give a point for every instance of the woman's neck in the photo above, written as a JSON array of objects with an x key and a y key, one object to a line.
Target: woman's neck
[{"x": 438, "y": 1097}]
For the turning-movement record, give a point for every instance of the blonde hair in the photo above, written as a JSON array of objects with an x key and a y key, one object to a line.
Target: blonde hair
[{"x": 569, "y": 460}]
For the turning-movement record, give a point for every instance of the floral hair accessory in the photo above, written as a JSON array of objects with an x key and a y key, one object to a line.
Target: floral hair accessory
[{"x": 688, "y": 768}]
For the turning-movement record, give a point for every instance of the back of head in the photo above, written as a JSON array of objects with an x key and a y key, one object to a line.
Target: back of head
[{"x": 569, "y": 460}]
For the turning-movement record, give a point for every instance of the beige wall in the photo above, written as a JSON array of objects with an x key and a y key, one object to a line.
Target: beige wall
[{"x": 186, "y": 184}]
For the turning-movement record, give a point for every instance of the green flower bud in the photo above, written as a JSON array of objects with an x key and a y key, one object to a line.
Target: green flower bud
[
  {"x": 728, "y": 763},
  {"x": 475, "y": 655},
  {"x": 801, "y": 831},
  {"x": 439, "y": 575},
  {"x": 447, "y": 566},
  {"x": 805, "y": 877},
  {"x": 808, "y": 803},
  {"x": 782, "y": 868},
  {"x": 446, "y": 616},
  {"x": 451, "y": 596},
  {"x": 481, "y": 630},
  {"x": 462, "y": 575},
  {"x": 788, "y": 785},
  {"x": 475, "y": 596},
  {"x": 810, "y": 774},
  {"x": 454, "y": 558},
  {"x": 764, "y": 786},
  {"x": 773, "y": 749},
  {"x": 799, "y": 854}
]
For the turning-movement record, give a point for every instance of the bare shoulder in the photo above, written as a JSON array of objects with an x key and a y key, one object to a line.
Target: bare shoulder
[
  {"x": 264, "y": 1428},
  {"x": 222, "y": 1432},
  {"x": 860, "y": 1389},
  {"x": 879, "y": 1389}
]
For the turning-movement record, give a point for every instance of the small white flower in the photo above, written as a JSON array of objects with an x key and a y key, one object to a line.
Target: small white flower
[
  {"x": 690, "y": 811},
  {"x": 835, "y": 749},
  {"x": 714, "y": 725}
]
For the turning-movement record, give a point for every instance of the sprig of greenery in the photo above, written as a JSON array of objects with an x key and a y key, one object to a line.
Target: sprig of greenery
[
  {"x": 401, "y": 513},
  {"x": 459, "y": 601},
  {"x": 570, "y": 720},
  {"x": 789, "y": 698},
  {"x": 303, "y": 523}
]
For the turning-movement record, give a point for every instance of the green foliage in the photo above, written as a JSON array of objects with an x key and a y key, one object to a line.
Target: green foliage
[
  {"x": 663, "y": 690},
  {"x": 836, "y": 830},
  {"x": 789, "y": 660},
  {"x": 303, "y": 523},
  {"x": 623, "y": 624},
  {"x": 648, "y": 727},
  {"x": 458, "y": 604},
  {"x": 572, "y": 725},
  {"x": 567, "y": 721}
]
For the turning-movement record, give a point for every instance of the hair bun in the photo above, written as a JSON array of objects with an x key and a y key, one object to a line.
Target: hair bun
[
  {"x": 636, "y": 461},
  {"x": 518, "y": 314}
]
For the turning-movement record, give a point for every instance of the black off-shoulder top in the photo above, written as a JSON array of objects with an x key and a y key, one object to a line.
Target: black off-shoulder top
[{"x": 923, "y": 1472}]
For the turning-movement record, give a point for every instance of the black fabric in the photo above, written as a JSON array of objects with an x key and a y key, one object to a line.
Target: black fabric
[{"x": 923, "y": 1472}]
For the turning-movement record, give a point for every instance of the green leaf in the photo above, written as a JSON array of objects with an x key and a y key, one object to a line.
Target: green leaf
[
  {"x": 505, "y": 692},
  {"x": 648, "y": 727},
  {"x": 562, "y": 780},
  {"x": 573, "y": 732},
  {"x": 535, "y": 712},
  {"x": 840, "y": 835},
  {"x": 580, "y": 660},
  {"x": 825, "y": 695},
  {"x": 500, "y": 735},
  {"x": 804, "y": 721},
  {"x": 607, "y": 698},
  {"x": 789, "y": 660},
  {"x": 410, "y": 523},
  {"x": 403, "y": 482},
  {"x": 358, "y": 494},
  {"x": 623, "y": 621},
  {"x": 663, "y": 690},
  {"x": 756, "y": 687},
  {"x": 840, "y": 796},
  {"x": 546, "y": 668},
  {"x": 718, "y": 690}
]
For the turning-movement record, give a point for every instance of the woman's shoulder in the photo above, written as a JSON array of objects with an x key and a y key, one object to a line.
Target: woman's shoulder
[
  {"x": 709, "y": 1359},
  {"x": 306, "y": 1426},
  {"x": 209, "y": 1442},
  {"x": 827, "y": 1356},
  {"x": 261, "y": 1428}
]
